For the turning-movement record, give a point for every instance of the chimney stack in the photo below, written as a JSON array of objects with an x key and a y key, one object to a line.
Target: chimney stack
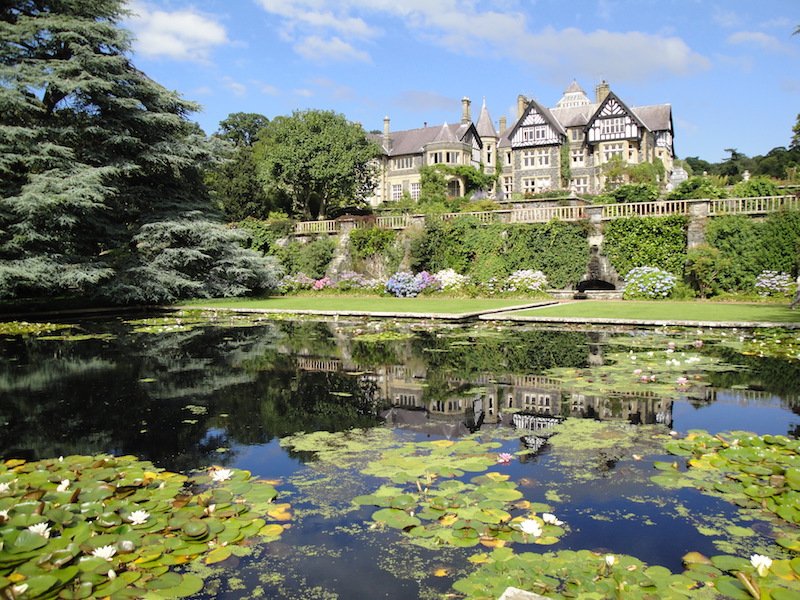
[
  {"x": 465, "y": 117},
  {"x": 522, "y": 103},
  {"x": 502, "y": 124},
  {"x": 387, "y": 140},
  {"x": 601, "y": 91}
]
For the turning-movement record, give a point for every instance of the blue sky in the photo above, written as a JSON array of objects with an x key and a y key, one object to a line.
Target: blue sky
[{"x": 730, "y": 69}]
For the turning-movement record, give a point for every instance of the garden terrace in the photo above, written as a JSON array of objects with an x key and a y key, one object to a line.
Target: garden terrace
[{"x": 542, "y": 214}]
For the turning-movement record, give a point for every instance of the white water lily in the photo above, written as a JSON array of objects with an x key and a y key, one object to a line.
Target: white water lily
[
  {"x": 105, "y": 552},
  {"x": 5, "y": 488},
  {"x": 551, "y": 519},
  {"x": 19, "y": 589},
  {"x": 761, "y": 563},
  {"x": 610, "y": 560},
  {"x": 42, "y": 529},
  {"x": 138, "y": 517},
  {"x": 112, "y": 574},
  {"x": 4, "y": 515},
  {"x": 221, "y": 474},
  {"x": 531, "y": 527},
  {"x": 63, "y": 486}
]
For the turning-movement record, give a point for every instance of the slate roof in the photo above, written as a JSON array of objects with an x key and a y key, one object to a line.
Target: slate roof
[
  {"x": 413, "y": 141},
  {"x": 485, "y": 126}
]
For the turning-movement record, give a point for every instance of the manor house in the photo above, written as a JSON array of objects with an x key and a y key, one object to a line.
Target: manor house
[{"x": 544, "y": 149}]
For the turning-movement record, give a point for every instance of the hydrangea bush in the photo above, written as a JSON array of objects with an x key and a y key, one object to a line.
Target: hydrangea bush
[
  {"x": 295, "y": 283},
  {"x": 452, "y": 281},
  {"x": 404, "y": 284},
  {"x": 352, "y": 281},
  {"x": 774, "y": 283},
  {"x": 648, "y": 282},
  {"x": 525, "y": 280}
]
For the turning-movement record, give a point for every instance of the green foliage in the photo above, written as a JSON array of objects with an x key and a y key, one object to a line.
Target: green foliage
[
  {"x": 371, "y": 241},
  {"x": 100, "y": 189},
  {"x": 263, "y": 234},
  {"x": 72, "y": 527},
  {"x": 235, "y": 188},
  {"x": 311, "y": 258},
  {"x": 566, "y": 170},
  {"x": 754, "y": 246},
  {"x": 697, "y": 187},
  {"x": 318, "y": 160},
  {"x": 755, "y": 187},
  {"x": 634, "y": 192},
  {"x": 703, "y": 265},
  {"x": 557, "y": 248},
  {"x": 646, "y": 241},
  {"x": 241, "y": 129},
  {"x": 433, "y": 184}
]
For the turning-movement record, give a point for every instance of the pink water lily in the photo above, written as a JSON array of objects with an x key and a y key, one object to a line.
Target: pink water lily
[
  {"x": 504, "y": 457},
  {"x": 682, "y": 380}
]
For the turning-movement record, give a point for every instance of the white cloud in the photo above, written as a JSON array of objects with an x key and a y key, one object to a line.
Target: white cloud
[
  {"x": 335, "y": 91},
  {"x": 237, "y": 88},
  {"x": 758, "y": 39},
  {"x": 334, "y": 30},
  {"x": 265, "y": 88},
  {"x": 317, "y": 49},
  {"x": 304, "y": 93},
  {"x": 184, "y": 35}
]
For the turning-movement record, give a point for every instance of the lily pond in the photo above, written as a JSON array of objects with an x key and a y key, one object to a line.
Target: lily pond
[{"x": 229, "y": 456}]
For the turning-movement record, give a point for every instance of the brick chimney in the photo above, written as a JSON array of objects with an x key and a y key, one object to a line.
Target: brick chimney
[
  {"x": 465, "y": 116},
  {"x": 522, "y": 104},
  {"x": 502, "y": 124},
  {"x": 601, "y": 91}
]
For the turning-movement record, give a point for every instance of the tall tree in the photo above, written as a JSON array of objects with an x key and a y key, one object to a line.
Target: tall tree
[
  {"x": 233, "y": 181},
  {"x": 318, "y": 159},
  {"x": 100, "y": 191}
]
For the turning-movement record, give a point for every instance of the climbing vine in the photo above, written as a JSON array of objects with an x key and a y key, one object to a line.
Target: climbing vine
[{"x": 647, "y": 241}]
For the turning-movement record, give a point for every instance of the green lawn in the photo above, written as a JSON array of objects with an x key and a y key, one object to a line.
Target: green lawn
[
  {"x": 673, "y": 311},
  {"x": 425, "y": 304}
]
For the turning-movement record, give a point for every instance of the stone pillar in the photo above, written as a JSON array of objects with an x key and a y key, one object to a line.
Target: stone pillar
[{"x": 698, "y": 218}]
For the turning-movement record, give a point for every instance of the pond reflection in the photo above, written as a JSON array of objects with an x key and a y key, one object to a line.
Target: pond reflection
[
  {"x": 119, "y": 387},
  {"x": 189, "y": 391}
]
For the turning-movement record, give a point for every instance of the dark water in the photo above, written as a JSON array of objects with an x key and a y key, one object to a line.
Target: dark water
[{"x": 225, "y": 392}]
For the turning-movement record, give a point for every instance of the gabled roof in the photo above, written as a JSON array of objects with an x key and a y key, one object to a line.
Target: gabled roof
[
  {"x": 485, "y": 126},
  {"x": 608, "y": 99},
  {"x": 546, "y": 114},
  {"x": 655, "y": 118},
  {"x": 413, "y": 141}
]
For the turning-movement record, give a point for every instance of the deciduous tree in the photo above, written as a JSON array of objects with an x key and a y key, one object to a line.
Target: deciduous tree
[{"x": 318, "y": 159}]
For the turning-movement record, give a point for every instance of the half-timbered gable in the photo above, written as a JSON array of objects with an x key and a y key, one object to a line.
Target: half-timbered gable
[
  {"x": 613, "y": 121},
  {"x": 543, "y": 149},
  {"x": 537, "y": 127}
]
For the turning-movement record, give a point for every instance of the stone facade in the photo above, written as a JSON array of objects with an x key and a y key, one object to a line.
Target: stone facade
[{"x": 543, "y": 149}]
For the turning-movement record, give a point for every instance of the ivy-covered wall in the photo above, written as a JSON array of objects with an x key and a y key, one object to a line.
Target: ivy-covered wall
[
  {"x": 646, "y": 242},
  {"x": 559, "y": 249}
]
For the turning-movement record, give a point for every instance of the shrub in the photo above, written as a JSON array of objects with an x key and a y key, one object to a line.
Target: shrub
[
  {"x": 405, "y": 284},
  {"x": 452, "y": 281},
  {"x": 755, "y": 187},
  {"x": 525, "y": 280},
  {"x": 352, "y": 281},
  {"x": 634, "y": 192},
  {"x": 370, "y": 241},
  {"x": 648, "y": 282},
  {"x": 704, "y": 264},
  {"x": 775, "y": 284},
  {"x": 295, "y": 283},
  {"x": 321, "y": 284}
]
